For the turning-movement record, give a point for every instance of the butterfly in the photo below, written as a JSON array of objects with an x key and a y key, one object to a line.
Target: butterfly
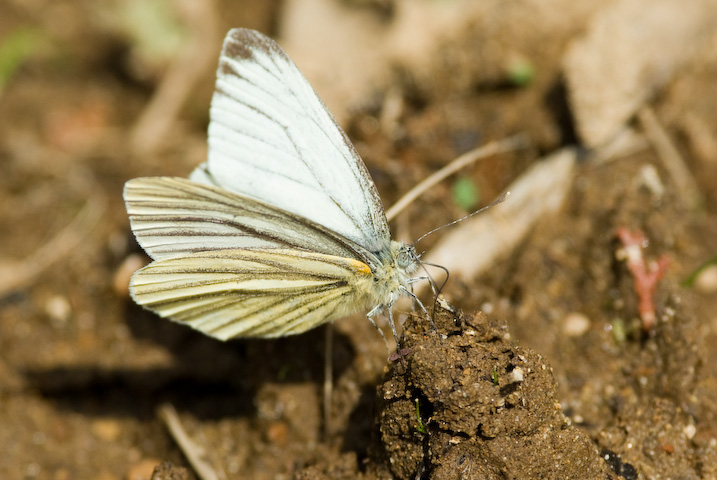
[{"x": 282, "y": 228}]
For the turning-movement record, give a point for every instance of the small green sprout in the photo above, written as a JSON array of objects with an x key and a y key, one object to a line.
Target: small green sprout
[
  {"x": 619, "y": 330},
  {"x": 689, "y": 282},
  {"x": 521, "y": 72},
  {"x": 14, "y": 50},
  {"x": 420, "y": 426},
  {"x": 494, "y": 376},
  {"x": 155, "y": 34},
  {"x": 465, "y": 193}
]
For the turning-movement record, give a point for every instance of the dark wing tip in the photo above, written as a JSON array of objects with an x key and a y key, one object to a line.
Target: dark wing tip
[
  {"x": 238, "y": 43},
  {"x": 241, "y": 43}
]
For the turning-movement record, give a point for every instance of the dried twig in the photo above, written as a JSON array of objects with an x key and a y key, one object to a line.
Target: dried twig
[
  {"x": 511, "y": 143},
  {"x": 184, "y": 72},
  {"x": 196, "y": 455},
  {"x": 670, "y": 158}
]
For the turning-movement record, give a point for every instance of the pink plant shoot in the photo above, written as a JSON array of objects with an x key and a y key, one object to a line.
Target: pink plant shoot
[{"x": 646, "y": 274}]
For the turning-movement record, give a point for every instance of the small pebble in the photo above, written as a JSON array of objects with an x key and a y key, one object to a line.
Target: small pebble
[
  {"x": 516, "y": 375},
  {"x": 650, "y": 179},
  {"x": 278, "y": 433},
  {"x": 575, "y": 324},
  {"x": 143, "y": 469},
  {"x": 706, "y": 281},
  {"x": 105, "y": 429},
  {"x": 58, "y": 309},
  {"x": 124, "y": 272}
]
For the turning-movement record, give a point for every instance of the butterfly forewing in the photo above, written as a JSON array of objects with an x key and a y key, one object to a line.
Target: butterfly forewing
[
  {"x": 174, "y": 216},
  {"x": 271, "y": 138},
  {"x": 251, "y": 292}
]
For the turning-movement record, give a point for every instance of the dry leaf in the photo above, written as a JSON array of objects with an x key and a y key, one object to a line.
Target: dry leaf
[{"x": 631, "y": 48}]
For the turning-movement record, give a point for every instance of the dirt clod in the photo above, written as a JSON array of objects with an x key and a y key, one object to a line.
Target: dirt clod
[{"x": 454, "y": 410}]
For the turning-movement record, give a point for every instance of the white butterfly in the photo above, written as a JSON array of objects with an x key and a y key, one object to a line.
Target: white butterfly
[{"x": 282, "y": 228}]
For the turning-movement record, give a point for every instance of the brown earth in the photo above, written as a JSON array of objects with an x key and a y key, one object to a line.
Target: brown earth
[{"x": 542, "y": 371}]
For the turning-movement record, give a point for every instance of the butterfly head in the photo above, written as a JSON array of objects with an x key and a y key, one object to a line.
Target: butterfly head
[
  {"x": 405, "y": 257},
  {"x": 392, "y": 275},
  {"x": 404, "y": 262}
]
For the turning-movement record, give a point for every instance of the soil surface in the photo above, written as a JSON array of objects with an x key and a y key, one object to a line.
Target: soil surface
[{"x": 541, "y": 367}]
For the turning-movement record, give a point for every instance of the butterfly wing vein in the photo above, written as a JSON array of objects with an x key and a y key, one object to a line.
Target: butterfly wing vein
[
  {"x": 252, "y": 293},
  {"x": 176, "y": 217},
  {"x": 281, "y": 229},
  {"x": 272, "y": 138}
]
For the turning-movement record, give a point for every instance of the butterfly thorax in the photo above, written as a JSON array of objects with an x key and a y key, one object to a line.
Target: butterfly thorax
[{"x": 392, "y": 276}]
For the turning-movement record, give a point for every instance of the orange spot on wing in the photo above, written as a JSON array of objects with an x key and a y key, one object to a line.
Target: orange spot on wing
[{"x": 360, "y": 267}]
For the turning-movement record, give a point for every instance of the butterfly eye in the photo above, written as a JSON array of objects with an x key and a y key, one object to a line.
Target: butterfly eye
[{"x": 403, "y": 259}]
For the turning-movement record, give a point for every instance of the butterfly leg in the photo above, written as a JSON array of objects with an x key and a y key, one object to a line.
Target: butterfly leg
[
  {"x": 400, "y": 353},
  {"x": 420, "y": 304},
  {"x": 393, "y": 325},
  {"x": 370, "y": 315}
]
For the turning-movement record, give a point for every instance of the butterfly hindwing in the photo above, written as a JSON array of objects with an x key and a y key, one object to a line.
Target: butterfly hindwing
[{"x": 252, "y": 292}]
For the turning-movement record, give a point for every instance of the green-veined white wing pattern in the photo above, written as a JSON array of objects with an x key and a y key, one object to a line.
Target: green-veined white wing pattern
[
  {"x": 252, "y": 292},
  {"x": 282, "y": 228},
  {"x": 173, "y": 216},
  {"x": 267, "y": 122}
]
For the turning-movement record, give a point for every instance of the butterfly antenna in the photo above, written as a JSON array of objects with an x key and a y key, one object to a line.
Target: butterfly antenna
[
  {"x": 432, "y": 283},
  {"x": 500, "y": 199},
  {"x": 438, "y": 290}
]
